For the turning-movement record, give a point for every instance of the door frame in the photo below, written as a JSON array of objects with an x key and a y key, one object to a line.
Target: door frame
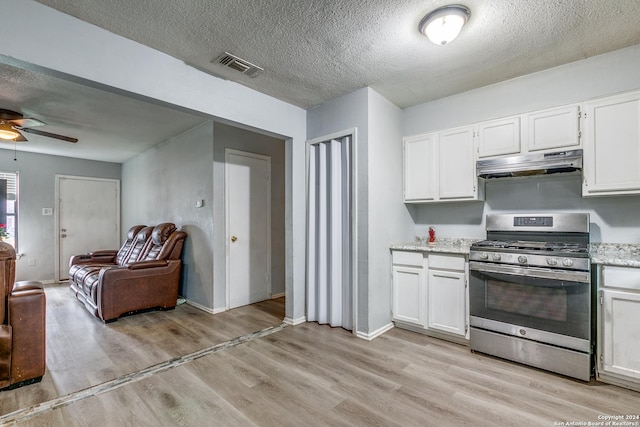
[
  {"x": 56, "y": 214},
  {"x": 354, "y": 215},
  {"x": 227, "y": 152}
]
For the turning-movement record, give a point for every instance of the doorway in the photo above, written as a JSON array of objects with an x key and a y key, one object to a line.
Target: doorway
[
  {"x": 248, "y": 227},
  {"x": 87, "y": 218}
]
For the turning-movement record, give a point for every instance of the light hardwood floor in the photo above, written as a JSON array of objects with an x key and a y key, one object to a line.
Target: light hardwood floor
[{"x": 303, "y": 375}]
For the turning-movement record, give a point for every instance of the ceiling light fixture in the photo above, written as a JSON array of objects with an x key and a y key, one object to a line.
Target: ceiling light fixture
[
  {"x": 7, "y": 131},
  {"x": 444, "y": 24}
]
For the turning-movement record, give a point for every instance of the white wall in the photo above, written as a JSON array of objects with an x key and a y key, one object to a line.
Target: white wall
[
  {"x": 382, "y": 217},
  {"x": 614, "y": 219},
  {"x": 389, "y": 219},
  {"x": 239, "y": 139},
  {"x": 162, "y": 185},
  {"x": 50, "y": 41},
  {"x": 337, "y": 115},
  {"x": 36, "y": 181}
]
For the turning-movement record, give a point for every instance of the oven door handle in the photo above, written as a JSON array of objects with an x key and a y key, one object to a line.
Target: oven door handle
[{"x": 542, "y": 273}]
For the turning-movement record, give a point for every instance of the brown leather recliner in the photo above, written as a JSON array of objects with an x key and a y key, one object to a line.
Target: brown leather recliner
[
  {"x": 22, "y": 325},
  {"x": 147, "y": 277}
]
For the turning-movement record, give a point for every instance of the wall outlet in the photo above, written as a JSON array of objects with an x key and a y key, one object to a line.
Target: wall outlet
[
  {"x": 199, "y": 203},
  {"x": 47, "y": 211}
]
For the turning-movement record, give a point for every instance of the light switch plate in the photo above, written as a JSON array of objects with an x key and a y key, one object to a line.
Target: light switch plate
[
  {"x": 47, "y": 211},
  {"x": 199, "y": 203}
]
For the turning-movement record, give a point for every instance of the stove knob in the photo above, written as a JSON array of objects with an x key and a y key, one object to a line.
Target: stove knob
[
  {"x": 496, "y": 257},
  {"x": 567, "y": 262},
  {"x": 484, "y": 255},
  {"x": 552, "y": 261},
  {"x": 522, "y": 259}
]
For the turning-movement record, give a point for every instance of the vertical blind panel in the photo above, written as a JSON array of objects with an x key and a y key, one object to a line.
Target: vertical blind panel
[
  {"x": 312, "y": 234},
  {"x": 322, "y": 261},
  {"x": 329, "y": 276},
  {"x": 335, "y": 234},
  {"x": 347, "y": 276}
]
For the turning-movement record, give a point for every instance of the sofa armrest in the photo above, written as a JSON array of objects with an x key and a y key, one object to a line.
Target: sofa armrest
[
  {"x": 104, "y": 252},
  {"x": 121, "y": 289},
  {"x": 147, "y": 264},
  {"x": 27, "y": 317},
  {"x": 5, "y": 354},
  {"x": 94, "y": 258}
]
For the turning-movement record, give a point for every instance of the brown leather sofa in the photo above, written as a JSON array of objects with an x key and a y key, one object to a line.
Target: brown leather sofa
[
  {"x": 143, "y": 274},
  {"x": 22, "y": 325}
]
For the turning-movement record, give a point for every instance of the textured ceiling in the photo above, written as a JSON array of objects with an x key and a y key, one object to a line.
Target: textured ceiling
[
  {"x": 110, "y": 127},
  {"x": 313, "y": 51}
]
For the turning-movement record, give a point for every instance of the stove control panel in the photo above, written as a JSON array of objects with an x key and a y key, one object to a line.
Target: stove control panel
[{"x": 530, "y": 260}]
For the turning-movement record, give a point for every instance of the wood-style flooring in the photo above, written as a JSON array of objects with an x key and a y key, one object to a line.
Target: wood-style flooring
[{"x": 309, "y": 375}]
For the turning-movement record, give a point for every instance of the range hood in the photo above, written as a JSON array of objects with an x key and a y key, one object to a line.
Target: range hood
[{"x": 530, "y": 164}]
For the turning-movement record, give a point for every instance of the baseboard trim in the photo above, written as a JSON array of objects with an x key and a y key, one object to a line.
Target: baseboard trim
[
  {"x": 279, "y": 295},
  {"x": 199, "y": 306},
  {"x": 294, "y": 322},
  {"x": 375, "y": 334}
]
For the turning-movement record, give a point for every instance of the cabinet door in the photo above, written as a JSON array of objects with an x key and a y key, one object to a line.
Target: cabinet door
[
  {"x": 408, "y": 294},
  {"x": 457, "y": 166},
  {"x": 611, "y": 131},
  {"x": 554, "y": 128},
  {"x": 446, "y": 302},
  {"x": 499, "y": 137},
  {"x": 620, "y": 331},
  {"x": 420, "y": 163}
]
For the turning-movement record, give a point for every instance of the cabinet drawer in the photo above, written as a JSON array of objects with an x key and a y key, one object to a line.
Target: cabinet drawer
[
  {"x": 407, "y": 258},
  {"x": 446, "y": 262},
  {"x": 621, "y": 277}
]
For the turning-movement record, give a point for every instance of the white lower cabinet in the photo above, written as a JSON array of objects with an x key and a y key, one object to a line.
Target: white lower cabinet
[
  {"x": 430, "y": 293},
  {"x": 445, "y": 312},
  {"x": 408, "y": 287},
  {"x": 619, "y": 326}
]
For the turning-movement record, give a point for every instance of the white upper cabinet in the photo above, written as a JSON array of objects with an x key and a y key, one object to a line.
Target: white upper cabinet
[
  {"x": 538, "y": 131},
  {"x": 420, "y": 167},
  {"x": 440, "y": 167},
  {"x": 611, "y": 131},
  {"x": 457, "y": 169},
  {"x": 553, "y": 128},
  {"x": 499, "y": 137}
]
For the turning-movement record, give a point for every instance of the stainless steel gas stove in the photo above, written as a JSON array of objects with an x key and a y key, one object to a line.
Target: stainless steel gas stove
[{"x": 531, "y": 294}]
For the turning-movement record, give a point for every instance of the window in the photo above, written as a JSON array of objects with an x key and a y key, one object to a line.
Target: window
[{"x": 9, "y": 206}]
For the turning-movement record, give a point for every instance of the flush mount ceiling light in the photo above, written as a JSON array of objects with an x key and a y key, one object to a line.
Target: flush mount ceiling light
[
  {"x": 7, "y": 131},
  {"x": 444, "y": 24}
]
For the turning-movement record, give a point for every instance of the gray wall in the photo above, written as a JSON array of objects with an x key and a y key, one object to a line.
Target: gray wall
[
  {"x": 36, "y": 183},
  {"x": 162, "y": 185},
  {"x": 614, "y": 219},
  {"x": 382, "y": 217},
  {"x": 238, "y": 139}
]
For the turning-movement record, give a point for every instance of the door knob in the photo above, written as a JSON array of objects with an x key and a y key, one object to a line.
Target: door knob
[{"x": 234, "y": 238}]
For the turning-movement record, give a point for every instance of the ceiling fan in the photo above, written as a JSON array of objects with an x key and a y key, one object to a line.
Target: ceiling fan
[{"x": 13, "y": 123}]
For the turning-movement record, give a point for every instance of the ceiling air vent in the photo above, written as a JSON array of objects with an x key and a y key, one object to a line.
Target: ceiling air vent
[{"x": 245, "y": 67}]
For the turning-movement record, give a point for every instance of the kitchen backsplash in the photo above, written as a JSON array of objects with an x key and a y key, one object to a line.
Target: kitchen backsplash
[{"x": 613, "y": 219}]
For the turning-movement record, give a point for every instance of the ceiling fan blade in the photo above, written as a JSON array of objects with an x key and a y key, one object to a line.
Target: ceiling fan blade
[
  {"x": 27, "y": 122},
  {"x": 21, "y": 138},
  {"x": 49, "y": 134}
]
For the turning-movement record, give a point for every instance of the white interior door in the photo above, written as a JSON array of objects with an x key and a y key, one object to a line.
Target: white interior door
[
  {"x": 248, "y": 212},
  {"x": 88, "y": 217}
]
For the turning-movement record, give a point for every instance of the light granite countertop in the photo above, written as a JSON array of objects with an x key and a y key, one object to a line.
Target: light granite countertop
[
  {"x": 620, "y": 254},
  {"x": 452, "y": 245}
]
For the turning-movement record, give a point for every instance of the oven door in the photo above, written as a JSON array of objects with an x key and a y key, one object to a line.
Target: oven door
[{"x": 550, "y": 306}]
